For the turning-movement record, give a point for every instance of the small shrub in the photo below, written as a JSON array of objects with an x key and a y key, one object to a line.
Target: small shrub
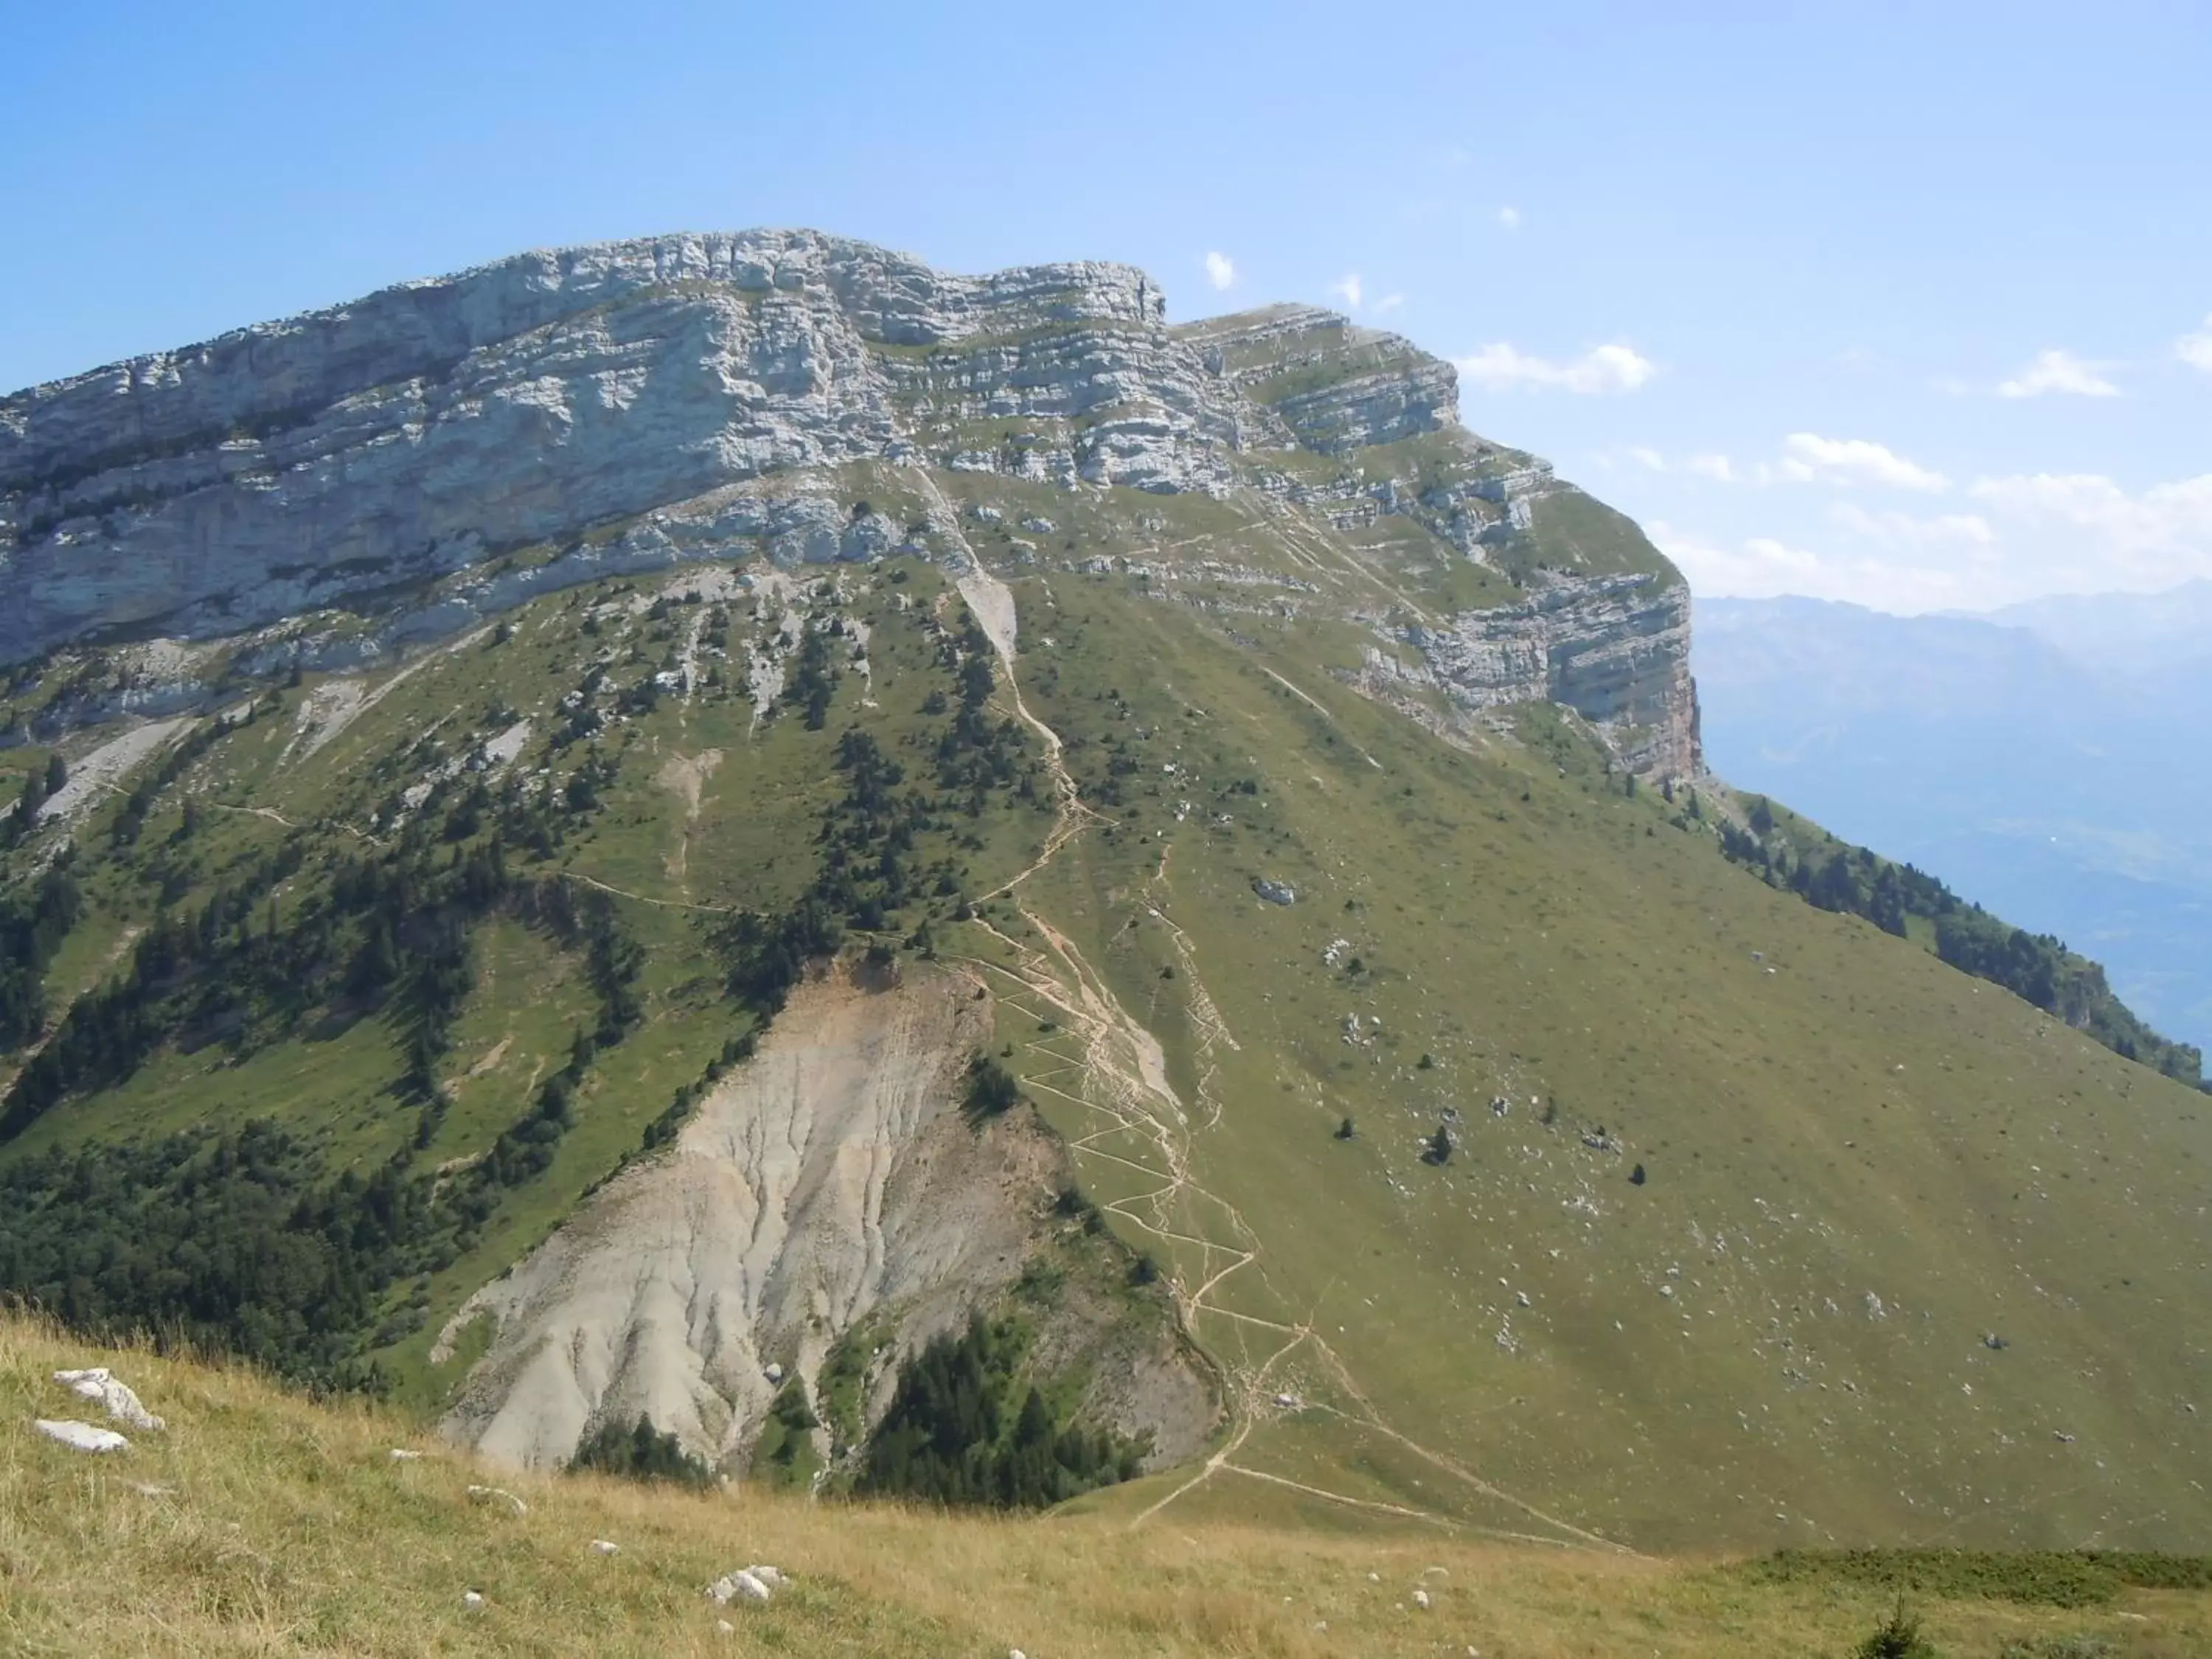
[
  {"x": 1897, "y": 1637},
  {"x": 992, "y": 1089}
]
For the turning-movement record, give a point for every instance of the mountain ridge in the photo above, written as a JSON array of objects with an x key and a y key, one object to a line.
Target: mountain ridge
[{"x": 662, "y": 388}]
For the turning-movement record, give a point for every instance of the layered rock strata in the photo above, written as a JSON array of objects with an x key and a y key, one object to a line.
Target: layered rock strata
[
  {"x": 1615, "y": 650},
  {"x": 442, "y": 450}
]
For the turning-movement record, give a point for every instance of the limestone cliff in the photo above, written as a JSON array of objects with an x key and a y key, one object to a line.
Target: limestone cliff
[
  {"x": 1615, "y": 650},
  {"x": 440, "y": 451}
]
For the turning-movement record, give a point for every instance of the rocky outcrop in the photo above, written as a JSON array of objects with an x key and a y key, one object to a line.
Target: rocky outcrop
[
  {"x": 1332, "y": 385},
  {"x": 1616, "y": 650},
  {"x": 439, "y": 424},
  {"x": 536, "y": 403}
]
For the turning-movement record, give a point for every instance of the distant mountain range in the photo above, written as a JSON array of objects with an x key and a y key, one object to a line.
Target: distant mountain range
[
  {"x": 2045, "y": 761},
  {"x": 2121, "y": 633}
]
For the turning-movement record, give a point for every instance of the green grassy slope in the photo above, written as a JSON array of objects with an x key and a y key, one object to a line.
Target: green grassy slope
[
  {"x": 260, "y": 1522},
  {"x": 1859, "y": 1164},
  {"x": 1831, "y": 1122}
]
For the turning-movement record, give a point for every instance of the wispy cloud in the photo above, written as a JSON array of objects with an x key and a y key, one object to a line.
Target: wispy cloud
[
  {"x": 1499, "y": 367},
  {"x": 1388, "y": 303},
  {"x": 1758, "y": 567},
  {"x": 2063, "y": 372},
  {"x": 1509, "y": 218},
  {"x": 1763, "y": 567},
  {"x": 1807, "y": 457},
  {"x": 2031, "y": 534},
  {"x": 1347, "y": 288},
  {"x": 2196, "y": 349},
  {"x": 2104, "y": 534},
  {"x": 1220, "y": 271},
  {"x": 1894, "y": 529}
]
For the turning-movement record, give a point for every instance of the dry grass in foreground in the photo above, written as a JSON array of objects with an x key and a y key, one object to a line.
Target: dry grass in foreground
[{"x": 261, "y": 1522}]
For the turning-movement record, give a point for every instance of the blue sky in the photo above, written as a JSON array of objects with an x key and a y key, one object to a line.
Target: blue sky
[{"x": 1911, "y": 305}]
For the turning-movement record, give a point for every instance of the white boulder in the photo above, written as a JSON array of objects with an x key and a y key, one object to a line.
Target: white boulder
[
  {"x": 115, "y": 1397},
  {"x": 82, "y": 1437},
  {"x": 743, "y": 1585}
]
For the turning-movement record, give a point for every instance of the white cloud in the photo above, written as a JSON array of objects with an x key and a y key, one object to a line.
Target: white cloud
[
  {"x": 1895, "y": 529},
  {"x": 1759, "y": 568},
  {"x": 2082, "y": 532},
  {"x": 1607, "y": 368},
  {"x": 2034, "y": 535},
  {"x": 2196, "y": 349},
  {"x": 1220, "y": 271},
  {"x": 1649, "y": 460},
  {"x": 1388, "y": 303},
  {"x": 1347, "y": 288},
  {"x": 2060, "y": 372},
  {"x": 1807, "y": 457},
  {"x": 1509, "y": 218},
  {"x": 1715, "y": 467},
  {"x": 1763, "y": 567}
]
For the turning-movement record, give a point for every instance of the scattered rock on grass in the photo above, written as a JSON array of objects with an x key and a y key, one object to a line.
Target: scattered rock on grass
[
  {"x": 1275, "y": 892},
  {"x": 81, "y": 1437},
  {"x": 499, "y": 1495},
  {"x": 743, "y": 1585},
  {"x": 121, "y": 1403},
  {"x": 601, "y": 1546}
]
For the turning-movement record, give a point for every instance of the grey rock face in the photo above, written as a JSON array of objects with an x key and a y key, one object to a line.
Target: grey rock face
[
  {"x": 1615, "y": 650},
  {"x": 437, "y": 425},
  {"x": 562, "y": 415},
  {"x": 1331, "y": 387}
]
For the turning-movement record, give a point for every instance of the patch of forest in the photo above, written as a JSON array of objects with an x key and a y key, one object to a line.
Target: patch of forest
[{"x": 1850, "y": 881}]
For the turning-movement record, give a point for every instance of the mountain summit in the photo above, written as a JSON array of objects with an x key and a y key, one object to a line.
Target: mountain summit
[
  {"x": 446, "y": 449},
  {"x": 727, "y": 852}
]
